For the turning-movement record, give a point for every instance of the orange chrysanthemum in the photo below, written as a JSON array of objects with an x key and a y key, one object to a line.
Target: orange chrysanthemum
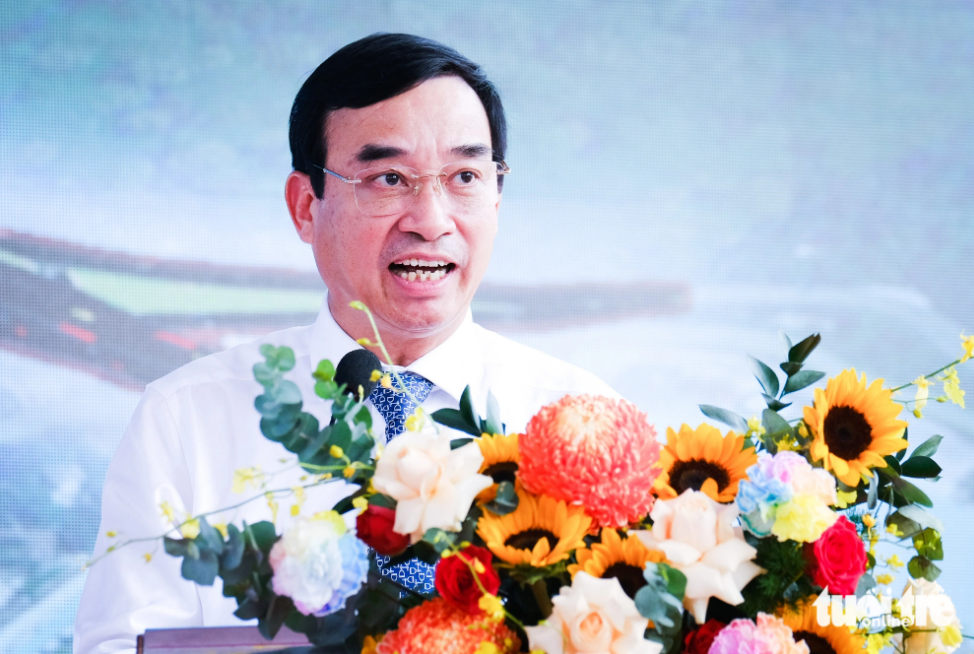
[
  {"x": 435, "y": 626},
  {"x": 593, "y": 451},
  {"x": 703, "y": 459},
  {"x": 854, "y": 426}
]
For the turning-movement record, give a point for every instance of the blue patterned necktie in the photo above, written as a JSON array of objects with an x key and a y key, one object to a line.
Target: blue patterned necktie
[{"x": 395, "y": 407}]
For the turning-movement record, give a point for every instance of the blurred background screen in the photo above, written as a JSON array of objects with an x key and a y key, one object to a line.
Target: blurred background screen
[{"x": 690, "y": 177}]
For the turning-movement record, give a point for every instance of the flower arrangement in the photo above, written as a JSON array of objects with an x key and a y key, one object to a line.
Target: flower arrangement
[{"x": 585, "y": 533}]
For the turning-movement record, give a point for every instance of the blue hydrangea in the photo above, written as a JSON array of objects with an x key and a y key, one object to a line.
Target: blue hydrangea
[{"x": 355, "y": 567}]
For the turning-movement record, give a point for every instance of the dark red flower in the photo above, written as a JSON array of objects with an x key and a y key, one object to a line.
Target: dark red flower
[
  {"x": 455, "y": 580},
  {"x": 374, "y": 528},
  {"x": 838, "y": 558},
  {"x": 699, "y": 640}
]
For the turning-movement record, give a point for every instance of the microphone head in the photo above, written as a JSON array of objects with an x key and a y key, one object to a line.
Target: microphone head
[{"x": 355, "y": 369}]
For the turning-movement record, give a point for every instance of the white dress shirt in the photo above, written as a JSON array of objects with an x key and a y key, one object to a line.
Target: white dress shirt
[{"x": 197, "y": 425}]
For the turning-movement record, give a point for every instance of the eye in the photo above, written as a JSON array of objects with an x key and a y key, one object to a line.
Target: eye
[
  {"x": 391, "y": 178},
  {"x": 465, "y": 177}
]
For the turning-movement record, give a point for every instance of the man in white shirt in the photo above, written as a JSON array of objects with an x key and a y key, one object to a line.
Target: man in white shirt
[{"x": 411, "y": 138}]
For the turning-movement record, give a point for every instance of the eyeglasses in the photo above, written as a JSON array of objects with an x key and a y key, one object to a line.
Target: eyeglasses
[{"x": 467, "y": 186}]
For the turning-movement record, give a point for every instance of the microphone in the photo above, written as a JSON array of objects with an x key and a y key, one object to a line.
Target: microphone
[{"x": 355, "y": 370}]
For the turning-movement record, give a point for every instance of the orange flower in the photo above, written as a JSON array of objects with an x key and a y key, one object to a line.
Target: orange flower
[
  {"x": 435, "y": 626},
  {"x": 593, "y": 451}
]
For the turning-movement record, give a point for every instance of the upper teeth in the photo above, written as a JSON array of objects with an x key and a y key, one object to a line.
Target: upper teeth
[{"x": 423, "y": 263}]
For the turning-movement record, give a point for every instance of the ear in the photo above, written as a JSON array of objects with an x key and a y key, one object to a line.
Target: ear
[{"x": 302, "y": 204}]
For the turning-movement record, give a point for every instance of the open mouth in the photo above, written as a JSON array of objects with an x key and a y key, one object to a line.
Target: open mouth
[{"x": 421, "y": 270}]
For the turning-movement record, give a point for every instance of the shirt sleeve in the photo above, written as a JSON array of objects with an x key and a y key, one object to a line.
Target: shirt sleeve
[{"x": 124, "y": 593}]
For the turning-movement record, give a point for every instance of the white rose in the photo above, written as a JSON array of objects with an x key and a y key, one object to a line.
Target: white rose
[
  {"x": 698, "y": 538},
  {"x": 433, "y": 485},
  {"x": 593, "y": 615},
  {"x": 928, "y": 635}
]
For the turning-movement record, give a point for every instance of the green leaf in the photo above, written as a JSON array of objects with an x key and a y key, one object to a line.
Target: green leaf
[
  {"x": 904, "y": 524},
  {"x": 727, "y": 417},
  {"x": 285, "y": 358},
  {"x": 493, "y": 424},
  {"x": 267, "y": 350},
  {"x": 457, "y": 443},
  {"x": 180, "y": 547},
  {"x": 326, "y": 390},
  {"x": 264, "y": 535},
  {"x": 273, "y": 620},
  {"x": 928, "y": 447},
  {"x": 455, "y": 420},
  {"x": 929, "y": 544},
  {"x": 920, "y": 567},
  {"x": 773, "y": 404},
  {"x": 801, "y": 380},
  {"x": 506, "y": 500},
  {"x": 233, "y": 551},
  {"x": 922, "y": 467},
  {"x": 209, "y": 538},
  {"x": 910, "y": 493},
  {"x": 267, "y": 407},
  {"x": 440, "y": 540},
  {"x": 265, "y": 375},
  {"x": 785, "y": 340},
  {"x": 872, "y": 495},
  {"x": 892, "y": 464},
  {"x": 285, "y": 392},
  {"x": 800, "y": 352},
  {"x": 203, "y": 570},
  {"x": 676, "y": 581},
  {"x": 790, "y": 367},
  {"x": 773, "y": 423},
  {"x": 764, "y": 375},
  {"x": 250, "y": 608},
  {"x": 467, "y": 411},
  {"x": 921, "y": 517},
  {"x": 866, "y": 583},
  {"x": 325, "y": 371}
]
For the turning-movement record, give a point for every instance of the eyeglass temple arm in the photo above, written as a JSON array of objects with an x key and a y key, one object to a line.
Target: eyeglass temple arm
[{"x": 347, "y": 180}]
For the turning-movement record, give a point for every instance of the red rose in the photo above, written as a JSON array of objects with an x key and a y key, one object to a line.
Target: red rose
[
  {"x": 699, "y": 640},
  {"x": 374, "y": 528},
  {"x": 838, "y": 558},
  {"x": 455, "y": 582}
]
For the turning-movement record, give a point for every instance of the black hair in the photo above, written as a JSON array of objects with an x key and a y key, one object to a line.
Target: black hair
[{"x": 373, "y": 69}]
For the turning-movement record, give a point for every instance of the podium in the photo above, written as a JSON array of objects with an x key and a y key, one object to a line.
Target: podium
[{"x": 220, "y": 640}]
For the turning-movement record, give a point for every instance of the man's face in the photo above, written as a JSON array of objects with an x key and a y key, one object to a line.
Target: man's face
[{"x": 362, "y": 257}]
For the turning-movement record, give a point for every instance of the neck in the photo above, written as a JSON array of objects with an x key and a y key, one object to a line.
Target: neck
[{"x": 402, "y": 345}]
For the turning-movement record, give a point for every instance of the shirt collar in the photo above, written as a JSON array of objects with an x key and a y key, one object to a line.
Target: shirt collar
[{"x": 451, "y": 366}]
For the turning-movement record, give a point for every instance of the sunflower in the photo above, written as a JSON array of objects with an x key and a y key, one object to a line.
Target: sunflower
[
  {"x": 705, "y": 460},
  {"x": 539, "y": 532},
  {"x": 854, "y": 426},
  {"x": 822, "y": 640},
  {"x": 501, "y": 459},
  {"x": 614, "y": 556}
]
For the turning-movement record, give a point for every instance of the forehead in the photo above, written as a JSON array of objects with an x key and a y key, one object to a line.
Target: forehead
[{"x": 429, "y": 120}]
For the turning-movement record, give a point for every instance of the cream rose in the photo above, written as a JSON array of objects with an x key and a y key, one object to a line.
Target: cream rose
[
  {"x": 932, "y": 633},
  {"x": 433, "y": 485},
  {"x": 593, "y": 615},
  {"x": 698, "y": 538}
]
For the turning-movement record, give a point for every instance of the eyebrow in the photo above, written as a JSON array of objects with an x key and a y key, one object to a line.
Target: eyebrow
[
  {"x": 472, "y": 150},
  {"x": 373, "y": 152}
]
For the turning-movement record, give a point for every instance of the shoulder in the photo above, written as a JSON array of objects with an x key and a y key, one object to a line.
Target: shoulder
[
  {"x": 524, "y": 366},
  {"x": 231, "y": 365}
]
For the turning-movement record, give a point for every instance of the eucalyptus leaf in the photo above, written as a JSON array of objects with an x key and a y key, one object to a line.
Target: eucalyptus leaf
[
  {"x": 773, "y": 422},
  {"x": 785, "y": 340},
  {"x": 920, "y": 567},
  {"x": 928, "y": 447},
  {"x": 922, "y": 467},
  {"x": 233, "y": 551},
  {"x": 922, "y": 517},
  {"x": 455, "y": 420},
  {"x": 764, "y": 375},
  {"x": 267, "y": 407},
  {"x": 905, "y": 525},
  {"x": 493, "y": 424},
  {"x": 325, "y": 371},
  {"x": 773, "y": 404},
  {"x": 467, "y": 411},
  {"x": 929, "y": 544},
  {"x": 866, "y": 583},
  {"x": 802, "y": 379},
  {"x": 209, "y": 537},
  {"x": 286, "y": 392},
  {"x": 285, "y": 358},
  {"x": 263, "y": 534},
  {"x": 727, "y": 417},
  {"x": 506, "y": 500},
  {"x": 272, "y": 621},
  {"x": 800, "y": 351},
  {"x": 203, "y": 570},
  {"x": 265, "y": 375}
]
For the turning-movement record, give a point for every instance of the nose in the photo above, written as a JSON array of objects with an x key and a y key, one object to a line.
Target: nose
[{"x": 430, "y": 214}]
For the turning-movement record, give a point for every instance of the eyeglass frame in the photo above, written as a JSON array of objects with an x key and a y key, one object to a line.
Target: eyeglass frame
[{"x": 504, "y": 170}]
